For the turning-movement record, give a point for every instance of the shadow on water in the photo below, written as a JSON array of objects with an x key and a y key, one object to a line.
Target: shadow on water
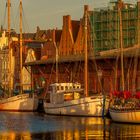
[{"x": 35, "y": 126}]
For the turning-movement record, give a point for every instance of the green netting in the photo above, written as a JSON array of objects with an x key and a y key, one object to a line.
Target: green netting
[{"x": 106, "y": 30}]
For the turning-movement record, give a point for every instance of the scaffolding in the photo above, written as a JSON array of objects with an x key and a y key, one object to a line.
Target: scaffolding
[{"x": 105, "y": 26}]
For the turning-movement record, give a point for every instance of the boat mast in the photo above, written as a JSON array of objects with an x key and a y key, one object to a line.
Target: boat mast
[
  {"x": 136, "y": 54},
  {"x": 121, "y": 42},
  {"x": 86, "y": 51},
  {"x": 20, "y": 47},
  {"x": 56, "y": 63},
  {"x": 9, "y": 46}
]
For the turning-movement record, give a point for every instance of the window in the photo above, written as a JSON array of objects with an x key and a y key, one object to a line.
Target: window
[
  {"x": 78, "y": 87},
  {"x": 57, "y": 87},
  {"x": 62, "y": 88}
]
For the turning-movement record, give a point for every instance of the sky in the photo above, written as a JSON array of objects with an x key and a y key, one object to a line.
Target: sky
[{"x": 47, "y": 14}]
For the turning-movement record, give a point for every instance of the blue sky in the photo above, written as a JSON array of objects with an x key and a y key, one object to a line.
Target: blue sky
[{"x": 47, "y": 14}]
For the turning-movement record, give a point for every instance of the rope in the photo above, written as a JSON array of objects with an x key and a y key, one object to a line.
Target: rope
[
  {"x": 94, "y": 61},
  {"x": 16, "y": 19}
]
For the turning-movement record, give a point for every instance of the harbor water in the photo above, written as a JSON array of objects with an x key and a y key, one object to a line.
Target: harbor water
[{"x": 36, "y": 126}]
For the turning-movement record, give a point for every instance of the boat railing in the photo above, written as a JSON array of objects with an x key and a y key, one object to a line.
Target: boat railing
[
  {"x": 13, "y": 98},
  {"x": 70, "y": 91}
]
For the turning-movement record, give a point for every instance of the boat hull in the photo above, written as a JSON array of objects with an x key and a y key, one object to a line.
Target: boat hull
[
  {"x": 125, "y": 116},
  {"x": 88, "y": 106},
  {"x": 23, "y": 102}
]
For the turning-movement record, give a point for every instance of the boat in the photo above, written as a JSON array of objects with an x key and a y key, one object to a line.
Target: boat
[
  {"x": 22, "y": 101},
  {"x": 71, "y": 99},
  {"x": 126, "y": 109},
  {"x": 126, "y": 106},
  {"x": 125, "y": 115},
  {"x": 68, "y": 99}
]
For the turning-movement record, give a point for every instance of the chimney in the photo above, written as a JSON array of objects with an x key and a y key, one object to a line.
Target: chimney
[
  {"x": 86, "y": 8},
  {"x": 67, "y": 21}
]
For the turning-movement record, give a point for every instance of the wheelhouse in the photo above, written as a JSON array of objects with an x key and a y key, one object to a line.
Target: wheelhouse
[{"x": 60, "y": 92}]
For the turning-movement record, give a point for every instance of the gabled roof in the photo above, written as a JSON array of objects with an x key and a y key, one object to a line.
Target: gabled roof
[{"x": 39, "y": 33}]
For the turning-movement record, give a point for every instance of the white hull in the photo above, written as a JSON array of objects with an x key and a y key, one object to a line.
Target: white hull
[
  {"x": 21, "y": 102},
  {"x": 126, "y": 116},
  {"x": 88, "y": 106}
]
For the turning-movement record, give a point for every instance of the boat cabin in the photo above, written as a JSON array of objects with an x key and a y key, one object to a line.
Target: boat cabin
[{"x": 60, "y": 92}]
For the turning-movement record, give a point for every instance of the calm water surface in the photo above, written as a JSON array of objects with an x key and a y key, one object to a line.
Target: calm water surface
[{"x": 34, "y": 126}]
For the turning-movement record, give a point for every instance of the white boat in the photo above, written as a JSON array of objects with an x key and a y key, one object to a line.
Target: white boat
[
  {"x": 21, "y": 102},
  {"x": 125, "y": 115},
  {"x": 69, "y": 99},
  {"x": 125, "y": 110}
]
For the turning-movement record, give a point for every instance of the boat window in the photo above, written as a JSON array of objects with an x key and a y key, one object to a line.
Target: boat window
[
  {"x": 74, "y": 87},
  {"x": 62, "y": 88},
  {"x": 68, "y": 97},
  {"x": 70, "y": 87},
  {"x": 57, "y": 87},
  {"x": 66, "y": 87}
]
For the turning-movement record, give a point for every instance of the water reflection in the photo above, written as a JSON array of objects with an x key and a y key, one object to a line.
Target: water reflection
[
  {"x": 15, "y": 126},
  {"x": 34, "y": 126},
  {"x": 124, "y": 131},
  {"x": 15, "y": 136}
]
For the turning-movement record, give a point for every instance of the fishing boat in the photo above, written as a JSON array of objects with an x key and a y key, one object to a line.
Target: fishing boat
[
  {"x": 71, "y": 99},
  {"x": 126, "y": 106},
  {"x": 22, "y": 101},
  {"x": 68, "y": 99}
]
